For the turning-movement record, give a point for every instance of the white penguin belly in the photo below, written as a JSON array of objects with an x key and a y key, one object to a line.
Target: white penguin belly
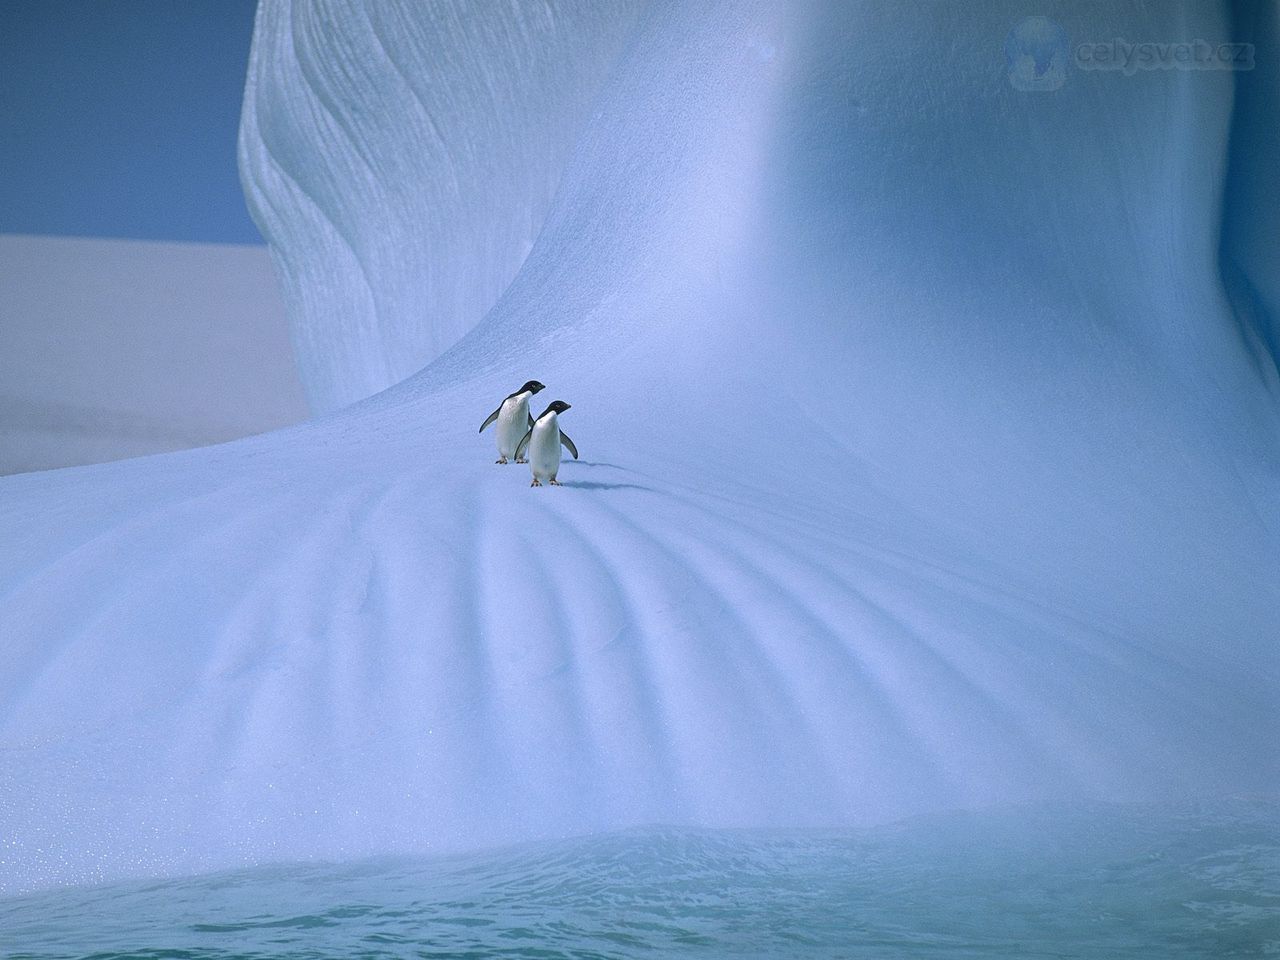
[
  {"x": 544, "y": 448},
  {"x": 512, "y": 424}
]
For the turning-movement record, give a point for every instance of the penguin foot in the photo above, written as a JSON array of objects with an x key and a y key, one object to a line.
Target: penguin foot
[
  {"x": 519, "y": 460},
  {"x": 502, "y": 460},
  {"x": 555, "y": 482},
  {"x": 536, "y": 482}
]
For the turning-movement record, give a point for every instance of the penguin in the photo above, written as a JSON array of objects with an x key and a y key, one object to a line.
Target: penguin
[
  {"x": 543, "y": 443},
  {"x": 514, "y": 420}
]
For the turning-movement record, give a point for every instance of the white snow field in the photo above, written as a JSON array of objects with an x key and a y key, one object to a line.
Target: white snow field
[
  {"x": 119, "y": 348},
  {"x": 925, "y": 463}
]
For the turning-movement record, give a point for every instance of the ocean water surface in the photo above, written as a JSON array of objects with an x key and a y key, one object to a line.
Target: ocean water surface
[{"x": 1114, "y": 882}]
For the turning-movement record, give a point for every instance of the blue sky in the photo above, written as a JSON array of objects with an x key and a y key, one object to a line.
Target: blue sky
[{"x": 118, "y": 118}]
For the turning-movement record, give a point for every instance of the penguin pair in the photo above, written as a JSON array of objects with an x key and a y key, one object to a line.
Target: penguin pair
[{"x": 518, "y": 430}]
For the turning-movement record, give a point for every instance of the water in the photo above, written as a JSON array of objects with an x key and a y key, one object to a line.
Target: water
[{"x": 1106, "y": 882}]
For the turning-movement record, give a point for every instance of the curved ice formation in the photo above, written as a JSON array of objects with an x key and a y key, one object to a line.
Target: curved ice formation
[
  {"x": 400, "y": 201},
  {"x": 925, "y": 466}
]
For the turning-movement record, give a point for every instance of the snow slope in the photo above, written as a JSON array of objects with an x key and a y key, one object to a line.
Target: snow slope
[
  {"x": 925, "y": 465},
  {"x": 119, "y": 348}
]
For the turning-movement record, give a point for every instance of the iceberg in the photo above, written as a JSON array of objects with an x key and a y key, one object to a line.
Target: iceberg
[{"x": 927, "y": 462}]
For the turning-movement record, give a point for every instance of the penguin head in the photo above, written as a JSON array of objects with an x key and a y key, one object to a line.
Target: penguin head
[
  {"x": 533, "y": 386},
  {"x": 557, "y": 406}
]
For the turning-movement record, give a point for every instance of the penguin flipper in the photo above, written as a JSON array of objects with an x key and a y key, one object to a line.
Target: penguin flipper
[
  {"x": 492, "y": 417},
  {"x": 568, "y": 444},
  {"x": 524, "y": 443},
  {"x": 531, "y": 421}
]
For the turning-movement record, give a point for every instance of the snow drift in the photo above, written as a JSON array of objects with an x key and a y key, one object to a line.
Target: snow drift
[{"x": 925, "y": 465}]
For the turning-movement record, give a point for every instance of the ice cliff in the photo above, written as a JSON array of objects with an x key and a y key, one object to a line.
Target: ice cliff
[{"x": 400, "y": 201}]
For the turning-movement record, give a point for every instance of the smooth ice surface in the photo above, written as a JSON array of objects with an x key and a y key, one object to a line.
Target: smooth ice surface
[
  {"x": 119, "y": 348},
  {"x": 925, "y": 464}
]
